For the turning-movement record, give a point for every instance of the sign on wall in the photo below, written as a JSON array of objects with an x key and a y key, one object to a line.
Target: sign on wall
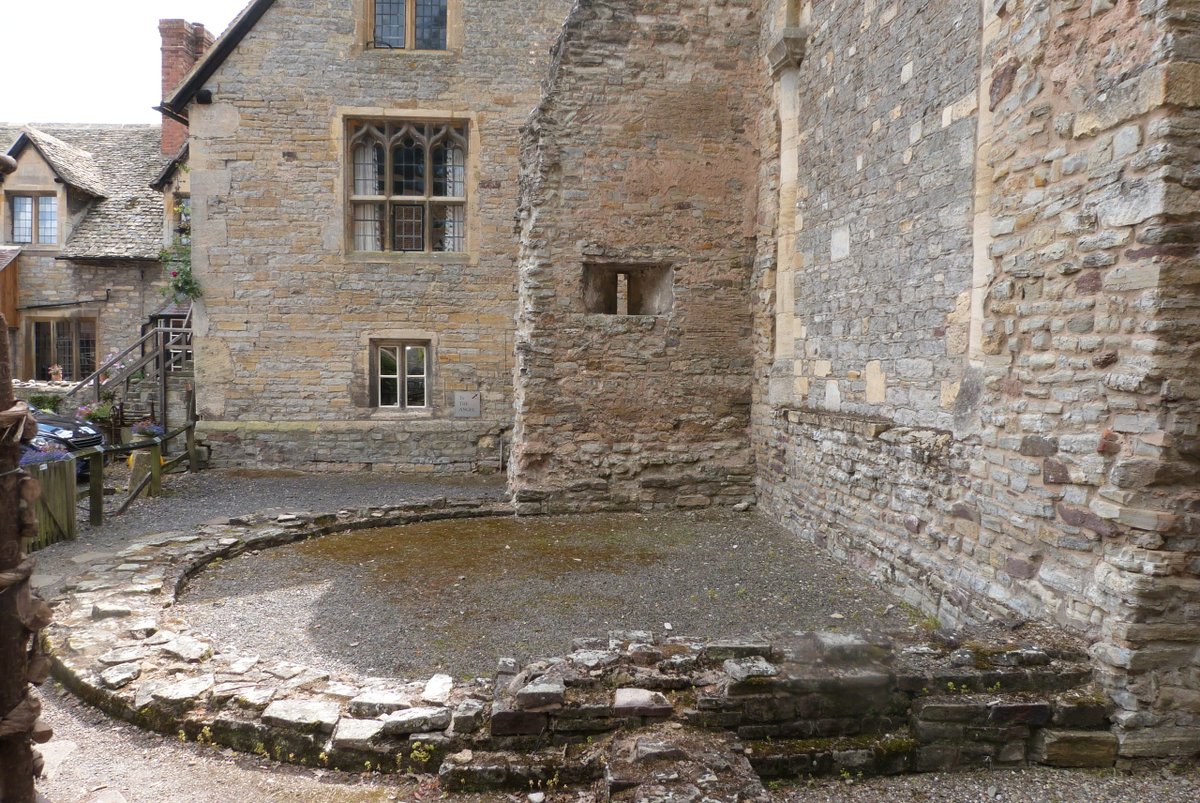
[{"x": 466, "y": 404}]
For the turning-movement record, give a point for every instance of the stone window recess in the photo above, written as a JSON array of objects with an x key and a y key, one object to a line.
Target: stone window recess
[
  {"x": 408, "y": 186},
  {"x": 400, "y": 373},
  {"x": 628, "y": 289},
  {"x": 182, "y": 223},
  {"x": 69, "y": 342},
  {"x": 34, "y": 219},
  {"x": 409, "y": 24}
]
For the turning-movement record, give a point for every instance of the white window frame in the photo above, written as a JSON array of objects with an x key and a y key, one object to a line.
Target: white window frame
[{"x": 403, "y": 375}]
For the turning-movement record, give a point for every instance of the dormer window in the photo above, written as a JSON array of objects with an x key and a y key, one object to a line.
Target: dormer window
[
  {"x": 410, "y": 24},
  {"x": 34, "y": 219}
]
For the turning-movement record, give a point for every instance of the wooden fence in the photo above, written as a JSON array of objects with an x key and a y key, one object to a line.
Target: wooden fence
[
  {"x": 56, "y": 507},
  {"x": 60, "y": 496}
]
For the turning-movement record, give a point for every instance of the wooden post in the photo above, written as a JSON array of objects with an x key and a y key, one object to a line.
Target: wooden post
[
  {"x": 96, "y": 489},
  {"x": 18, "y": 609},
  {"x": 162, "y": 341},
  {"x": 190, "y": 406},
  {"x": 155, "y": 470}
]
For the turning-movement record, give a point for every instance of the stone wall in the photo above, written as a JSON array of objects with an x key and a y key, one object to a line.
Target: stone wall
[
  {"x": 992, "y": 405},
  {"x": 638, "y": 161},
  {"x": 283, "y": 329}
]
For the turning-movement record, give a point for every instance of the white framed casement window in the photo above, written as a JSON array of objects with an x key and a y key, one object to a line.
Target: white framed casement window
[
  {"x": 33, "y": 219},
  {"x": 408, "y": 186},
  {"x": 410, "y": 24},
  {"x": 400, "y": 374}
]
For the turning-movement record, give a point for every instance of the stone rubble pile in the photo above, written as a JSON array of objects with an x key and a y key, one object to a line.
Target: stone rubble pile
[{"x": 628, "y": 712}]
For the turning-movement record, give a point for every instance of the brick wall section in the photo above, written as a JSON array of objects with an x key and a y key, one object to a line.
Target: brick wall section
[
  {"x": 1046, "y": 466},
  {"x": 183, "y": 43},
  {"x": 281, "y": 365},
  {"x": 640, "y": 153}
]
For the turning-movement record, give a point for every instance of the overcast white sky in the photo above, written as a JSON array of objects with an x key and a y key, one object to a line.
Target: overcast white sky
[{"x": 90, "y": 61}]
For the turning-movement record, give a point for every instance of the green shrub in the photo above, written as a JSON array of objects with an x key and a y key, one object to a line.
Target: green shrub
[{"x": 45, "y": 401}]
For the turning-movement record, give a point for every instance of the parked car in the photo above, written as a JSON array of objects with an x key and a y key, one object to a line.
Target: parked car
[{"x": 64, "y": 432}]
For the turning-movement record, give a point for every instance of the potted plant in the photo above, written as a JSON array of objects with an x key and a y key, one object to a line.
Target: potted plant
[
  {"x": 148, "y": 429},
  {"x": 56, "y": 373}
]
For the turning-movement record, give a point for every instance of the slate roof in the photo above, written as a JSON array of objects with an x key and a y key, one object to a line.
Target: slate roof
[
  {"x": 74, "y": 166},
  {"x": 115, "y": 163},
  {"x": 7, "y": 254}
]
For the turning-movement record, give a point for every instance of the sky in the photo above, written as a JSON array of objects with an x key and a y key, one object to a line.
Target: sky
[{"x": 90, "y": 61}]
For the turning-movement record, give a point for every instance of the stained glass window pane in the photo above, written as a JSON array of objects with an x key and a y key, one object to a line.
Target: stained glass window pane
[
  {"x": 389, "y": 23},
  {"x": 388, "y": 362},
  {"x": 87, "y": 349},
  {"x": 408, "y": 228},
  {"x": 368, "y": 227},
  {"x": 431, "y": 24},
  {"x": 22, "y": 217},
  {"x": 389, "y": 392},
  {"x": 416, "y": 392},
  {"x": 368, "y": 169},
  {"x": 64, "y": 348},
  {"x": 449, "y": 170},
  {"x": 414, "y": 360},
  {"x": 449, "y": 228},
  {"x": 48, "y": 220},
  {"x": 408, "y": 167}
]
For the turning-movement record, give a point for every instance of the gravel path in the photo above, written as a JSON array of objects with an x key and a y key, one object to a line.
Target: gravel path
[
  {"x": 190, "y": 500},
  {"x": 93, "y": 757}
]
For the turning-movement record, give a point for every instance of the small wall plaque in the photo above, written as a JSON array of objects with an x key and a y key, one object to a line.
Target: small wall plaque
[{"x": 466, "y": 404}]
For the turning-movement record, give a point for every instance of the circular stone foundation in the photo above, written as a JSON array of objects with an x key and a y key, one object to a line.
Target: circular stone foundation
[{"x": 454, "y": 596}]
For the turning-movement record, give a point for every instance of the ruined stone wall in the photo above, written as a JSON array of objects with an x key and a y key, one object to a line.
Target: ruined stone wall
[
  {"x": 858, "y": 391},
  {"x": 640, "y": 158},
  {"x": 283, "y": 329},
  {"x": 1031, "y": 450},
  {"x": 1088, "y": 338}
]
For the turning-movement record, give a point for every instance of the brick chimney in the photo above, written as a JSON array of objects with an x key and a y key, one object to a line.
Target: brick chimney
[{"x": 183, "y": 43}]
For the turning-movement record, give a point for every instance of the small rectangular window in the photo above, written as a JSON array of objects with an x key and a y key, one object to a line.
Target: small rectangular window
[
  {"x": 628, "y": 289},
  {"x": 22, "y": 219},
  {"x": 410, "y": 24},
  {"x": 69, "y": 343},
  {"x": 34, "y": 219},
  {"x": 47, "y": 219},
  {"x": 401, "y": 374},
  {"x": 431, "y": 24}
]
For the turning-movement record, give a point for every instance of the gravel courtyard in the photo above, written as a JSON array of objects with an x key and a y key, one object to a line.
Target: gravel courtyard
[{"x": 455, "y": 597}]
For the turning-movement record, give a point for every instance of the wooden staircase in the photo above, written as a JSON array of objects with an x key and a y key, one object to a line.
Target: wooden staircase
[{"x": 142, "y": 381}]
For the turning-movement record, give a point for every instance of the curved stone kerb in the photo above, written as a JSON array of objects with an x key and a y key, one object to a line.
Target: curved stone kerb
[{"x": 118, "y": 643}]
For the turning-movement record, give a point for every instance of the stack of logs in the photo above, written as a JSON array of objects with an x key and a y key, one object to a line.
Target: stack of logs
[{"x": 22, "y": 613}]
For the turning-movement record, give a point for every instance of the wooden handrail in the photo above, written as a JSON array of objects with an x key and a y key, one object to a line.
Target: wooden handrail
[
  {"x": 95, "y": 457},
  {"x": 178, "y": 339}
]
